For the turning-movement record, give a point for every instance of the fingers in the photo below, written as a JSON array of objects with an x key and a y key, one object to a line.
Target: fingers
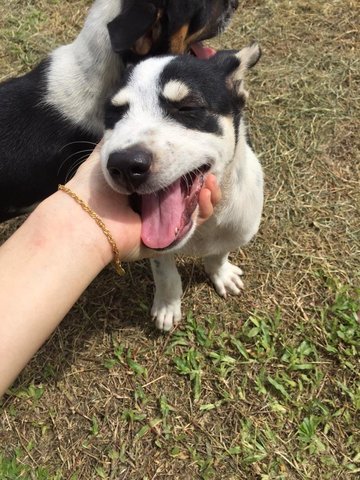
[
  {"x": 212, "y": 185},
  {"x": 206, "y": 208},
  {"x": 209, "y": 197}
]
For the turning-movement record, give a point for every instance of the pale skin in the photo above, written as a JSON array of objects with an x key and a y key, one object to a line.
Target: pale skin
[{"x": 57, "y": 252}]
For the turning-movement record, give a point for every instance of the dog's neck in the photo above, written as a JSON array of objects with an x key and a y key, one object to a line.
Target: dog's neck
[{"x": 83, "y": 74}]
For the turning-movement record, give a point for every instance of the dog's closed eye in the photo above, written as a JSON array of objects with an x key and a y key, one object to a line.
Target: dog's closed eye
[
  {"x": 188, "y": 104},
  {"x": 192, "y": 112},
  {"x": 189, "y": 108}
]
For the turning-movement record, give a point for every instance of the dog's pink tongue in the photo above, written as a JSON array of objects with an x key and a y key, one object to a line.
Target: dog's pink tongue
[
  {"x": 161, "y": 214},
  {"x": 202, "y": 52}
]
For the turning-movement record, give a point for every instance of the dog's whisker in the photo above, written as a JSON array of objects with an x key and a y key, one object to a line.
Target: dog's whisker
[
  {"x": 78, "y": 142},
  {"x": 74, "y": 167},
  {"x": 186, "y": 181},
  {"x": 87, "y": 151}
]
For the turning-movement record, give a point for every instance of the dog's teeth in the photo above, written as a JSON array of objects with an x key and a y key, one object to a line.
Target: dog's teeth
[{"x": 176, "y": 231}]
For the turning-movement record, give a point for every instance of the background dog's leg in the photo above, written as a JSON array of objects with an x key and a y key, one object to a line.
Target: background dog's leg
[
  {"x": 224, "y": 275},
  {"x": 166, "y": 309}
]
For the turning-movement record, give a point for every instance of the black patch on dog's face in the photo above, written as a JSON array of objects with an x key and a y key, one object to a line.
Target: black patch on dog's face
[
  {"x": 192, "y": 92},
  {"x": 209, "y": 95},
  {"x": 114, "y": 113}
]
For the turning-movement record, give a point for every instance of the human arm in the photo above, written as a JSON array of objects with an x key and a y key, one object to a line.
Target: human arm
[{"x": 51, "y": 259}]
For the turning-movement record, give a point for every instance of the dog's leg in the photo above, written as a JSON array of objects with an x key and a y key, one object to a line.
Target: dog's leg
[
  {"x": 224, "y": 275},
  {"x": 81, "y": 75},
  {"x": 166, "y": 309}
]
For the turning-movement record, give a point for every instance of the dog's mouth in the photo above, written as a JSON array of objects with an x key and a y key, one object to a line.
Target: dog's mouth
[
  {"x": 201, "y": 51},
  {"x": 167, "y": 214}
]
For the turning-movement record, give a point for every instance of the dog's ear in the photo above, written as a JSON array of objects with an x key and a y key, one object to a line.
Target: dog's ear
[
  {"x": 236, "y": 63},
  {"x": 248, "y": 56},
  {"x": 132, "y": 23}
]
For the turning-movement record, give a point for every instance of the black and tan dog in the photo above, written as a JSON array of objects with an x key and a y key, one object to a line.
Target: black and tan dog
[{"x": 51, "y": 117}]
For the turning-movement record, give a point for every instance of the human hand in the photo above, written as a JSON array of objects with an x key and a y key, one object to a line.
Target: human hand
[
  {"x": 210, "y": 196},
  {"x": 115, "y": 211}
]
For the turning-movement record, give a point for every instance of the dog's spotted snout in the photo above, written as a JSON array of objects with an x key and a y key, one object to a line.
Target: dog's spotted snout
[{"x": 130, "y": 167}]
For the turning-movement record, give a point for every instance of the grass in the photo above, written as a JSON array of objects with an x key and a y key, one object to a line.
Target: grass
[{"x": 264, "y": 386}]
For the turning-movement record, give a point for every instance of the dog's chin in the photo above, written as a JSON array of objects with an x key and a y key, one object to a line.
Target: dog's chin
[
  {"x": 217, "y": 30},
  {"x": 224, "y": 23}
]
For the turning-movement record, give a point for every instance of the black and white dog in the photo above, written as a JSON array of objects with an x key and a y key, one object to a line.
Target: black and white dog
[
  {"x": 51, "y": 118},
  {"x": 174, "y": 120}
]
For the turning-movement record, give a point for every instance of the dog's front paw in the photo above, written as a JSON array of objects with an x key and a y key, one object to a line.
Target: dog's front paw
[
  {"x": 166, "y": 315},
  {"x": 226, "y": 279}
]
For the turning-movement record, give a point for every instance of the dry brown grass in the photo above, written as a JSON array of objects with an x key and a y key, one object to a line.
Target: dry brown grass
[{"x": 98, "y": 414}]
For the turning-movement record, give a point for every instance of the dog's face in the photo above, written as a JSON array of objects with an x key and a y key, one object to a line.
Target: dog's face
[
  {"x": 149, "y": 27},
  {"x": 174, "y": 119}
]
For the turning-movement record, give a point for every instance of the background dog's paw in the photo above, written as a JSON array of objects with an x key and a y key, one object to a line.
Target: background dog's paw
[
  {"x": 227, "y": 279},
  {"x": 166, "y": 315}
]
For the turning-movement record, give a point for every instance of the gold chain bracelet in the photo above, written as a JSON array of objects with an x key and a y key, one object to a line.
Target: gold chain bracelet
[{"x": 119, "y": 269}]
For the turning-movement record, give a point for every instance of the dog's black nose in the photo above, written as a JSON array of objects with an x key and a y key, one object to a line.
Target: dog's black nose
[
  {"x": 234, "y": 4},
  {"x": 130, "y": 167}
]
